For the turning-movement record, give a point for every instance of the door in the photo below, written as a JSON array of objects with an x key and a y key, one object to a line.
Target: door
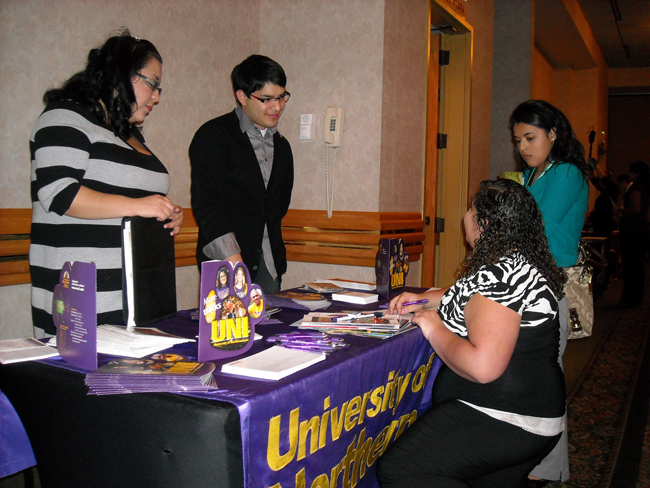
[
  {"x": 446, "y": 169},
  {"x": 431, "y": 164}
]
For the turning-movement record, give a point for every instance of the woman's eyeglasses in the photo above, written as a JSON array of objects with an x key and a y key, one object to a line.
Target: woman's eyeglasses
[
  {"x": 153, "y": 84},
  {"x": 284, "y": 98}
]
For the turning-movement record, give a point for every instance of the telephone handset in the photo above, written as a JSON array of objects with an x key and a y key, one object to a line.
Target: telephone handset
[{"x": 333, "y": 127}]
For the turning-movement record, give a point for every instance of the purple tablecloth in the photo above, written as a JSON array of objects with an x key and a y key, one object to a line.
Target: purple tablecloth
[
  {"x": 331, "y": 420},
  {"x": 15, "y": 449}
]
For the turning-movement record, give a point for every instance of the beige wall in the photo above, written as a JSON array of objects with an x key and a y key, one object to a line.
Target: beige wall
[
  {"x": 512, "y": 73},
  {"x": 405, "y": 46},
  {"x": 333, "y": 53},
  {"x": 543, "y": 82},
  {"x": 480, "y": 15},
  {"x": 42, "y": 43}
]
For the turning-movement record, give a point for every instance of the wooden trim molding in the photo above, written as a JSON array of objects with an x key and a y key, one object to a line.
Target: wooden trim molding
[
  {"x": 348, "y": 238},
  {"x": 15, "y": 227}
]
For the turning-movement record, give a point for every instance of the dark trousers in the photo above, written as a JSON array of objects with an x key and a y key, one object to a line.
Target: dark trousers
[
  {"x": 265, "y": 280},
  {"x": 454, "y": 445}
]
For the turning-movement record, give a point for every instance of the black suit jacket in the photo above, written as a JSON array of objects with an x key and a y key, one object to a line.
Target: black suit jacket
[{"x": 228, "y": 193}]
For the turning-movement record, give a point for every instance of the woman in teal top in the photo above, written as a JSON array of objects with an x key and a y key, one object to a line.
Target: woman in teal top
[
  {"x": 555, "y": 175},
  {"x": 561, "y": 195}
]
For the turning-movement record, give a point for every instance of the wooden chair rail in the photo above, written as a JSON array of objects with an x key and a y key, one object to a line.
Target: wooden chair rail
[
  {"x": 348, "y": 238},
  {"x": 15, "y": 226}
]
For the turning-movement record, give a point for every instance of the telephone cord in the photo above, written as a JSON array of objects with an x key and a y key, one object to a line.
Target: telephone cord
[{"x": 330, "y": 187}]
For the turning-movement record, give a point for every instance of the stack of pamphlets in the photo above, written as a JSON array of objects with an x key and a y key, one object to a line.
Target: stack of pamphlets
[
  {"x": 151, "y": 375},
  {"x": 27, "y": 349},
  {"x": 358, "y": 297},
  {"x": 368, "y": 324},
  {"x": 273, "y": 363},
  {"x": 350, "y": 284},
  {"x": 322, "y": 288},
  {"x": 137, "y": 342},
  {"x": 297, "y": 300}
]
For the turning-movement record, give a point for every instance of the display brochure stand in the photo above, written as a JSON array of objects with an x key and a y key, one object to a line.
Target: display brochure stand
[
  {"x": 391, "y": 268},
  {"x": 230, "y": 307},
  {"x": 74, "y": 310}
]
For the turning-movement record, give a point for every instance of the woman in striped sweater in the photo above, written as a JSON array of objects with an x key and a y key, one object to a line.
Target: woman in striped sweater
[{"x": 91, "y": 167}]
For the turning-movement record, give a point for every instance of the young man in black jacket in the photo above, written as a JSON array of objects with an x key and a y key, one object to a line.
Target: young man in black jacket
[{"x": 242, "y": 176}]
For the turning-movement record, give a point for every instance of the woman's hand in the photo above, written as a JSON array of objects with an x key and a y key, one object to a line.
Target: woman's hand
[
  {"x": 396, "y": 303},
  {"x": 429, "y": 323},
  {"x": 91, "y": 204},
  {"x": 157, "y": 206},
  {"x": 176, "y": 220}
]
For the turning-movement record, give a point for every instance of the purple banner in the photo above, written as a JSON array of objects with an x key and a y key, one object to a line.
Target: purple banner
[{"x": 327, "y": 425}]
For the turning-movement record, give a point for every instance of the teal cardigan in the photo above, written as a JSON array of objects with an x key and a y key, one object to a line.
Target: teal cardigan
[{"x": 562, "y": 194}]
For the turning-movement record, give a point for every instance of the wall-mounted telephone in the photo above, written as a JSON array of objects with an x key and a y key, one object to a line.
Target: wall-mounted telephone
[{"x": 333, "y": 127}]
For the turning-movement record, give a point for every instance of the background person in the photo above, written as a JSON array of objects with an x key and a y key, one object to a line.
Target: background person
[
  {"x": 556, "y": 175},
  {"x": 633, "y": 232},
  {"x": 244, "y": 155},
  {"x": 499, "y": 398},
  {"x": 90, "y": 168}
]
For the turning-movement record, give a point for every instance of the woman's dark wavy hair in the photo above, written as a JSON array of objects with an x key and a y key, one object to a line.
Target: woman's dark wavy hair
[
  {"x": 509, "y": 220},
  {"x": 543, "y": 115},
  {"x": 104, "y": 87}
]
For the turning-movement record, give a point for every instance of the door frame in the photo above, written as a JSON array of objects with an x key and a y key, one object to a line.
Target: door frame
[{"x": 447, "y": 170}]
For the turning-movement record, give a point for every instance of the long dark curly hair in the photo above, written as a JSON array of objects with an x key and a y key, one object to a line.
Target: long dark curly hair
[
  {"x": 543, "y": 115},
  {"x": 105, "y": 86},
  {"x": 509, "y": 221}
]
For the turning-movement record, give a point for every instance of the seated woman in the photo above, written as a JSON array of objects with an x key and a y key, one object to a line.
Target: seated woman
[{"x": 498, "y": 400}]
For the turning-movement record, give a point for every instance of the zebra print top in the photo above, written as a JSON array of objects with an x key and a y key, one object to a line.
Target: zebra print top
[{"x": 533, "y": 383}]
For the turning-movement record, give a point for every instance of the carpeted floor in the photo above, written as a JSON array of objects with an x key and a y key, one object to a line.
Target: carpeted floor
[
  {"x": 644, "y": 464},
  {"x": 608, "y": 402}
]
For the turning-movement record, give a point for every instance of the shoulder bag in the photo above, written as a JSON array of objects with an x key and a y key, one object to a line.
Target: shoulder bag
[{"x": 579, "y": 295}]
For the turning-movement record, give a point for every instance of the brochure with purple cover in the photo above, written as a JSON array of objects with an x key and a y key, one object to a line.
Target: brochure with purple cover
[
  {"x": 229, "y": 309},
  {"x": 167, "y": 374},
  {"x": 74, "y": 310},
  {"x": 391, "y": 267}
]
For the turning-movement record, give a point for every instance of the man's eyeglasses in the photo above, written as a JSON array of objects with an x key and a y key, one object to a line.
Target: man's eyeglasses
[
  {"x": 153, "y": 84},
  {"x": 284, "y": 98}
]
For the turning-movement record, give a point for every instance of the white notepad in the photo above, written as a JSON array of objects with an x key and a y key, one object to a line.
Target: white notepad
[{"x": 273, "y": 363}]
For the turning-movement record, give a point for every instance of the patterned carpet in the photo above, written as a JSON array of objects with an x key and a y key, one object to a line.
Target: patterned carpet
[
  {"x": 644, "y": 468},
  {"x": 599, "y": 410}
]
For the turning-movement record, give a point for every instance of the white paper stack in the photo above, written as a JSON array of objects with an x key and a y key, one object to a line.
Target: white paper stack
[
  {"x": 138, "y": 342},
  {"x": 274, "y": 363},
  {"x": 27, "y": 349},
  {"x": 350, "y": 284},
  {"x": 358, "y": 297}
]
